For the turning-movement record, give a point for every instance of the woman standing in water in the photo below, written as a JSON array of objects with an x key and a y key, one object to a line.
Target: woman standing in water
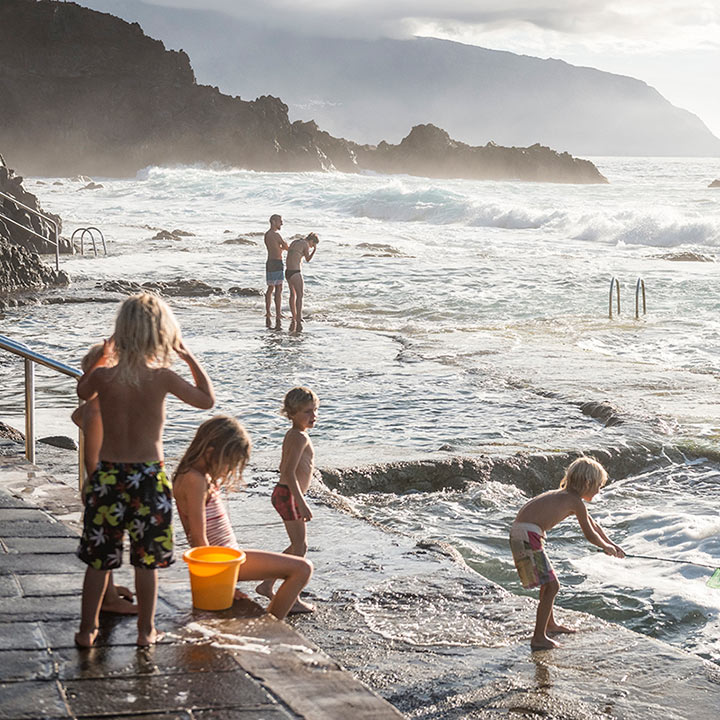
[{"x": 299, "y": 249}]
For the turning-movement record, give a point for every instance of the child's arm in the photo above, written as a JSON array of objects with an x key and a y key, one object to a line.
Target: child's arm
[
  {"x": 587, "y": 524},
  {"x": 190, "y": 498},
  {"x": 293, "y": 448},
  {"x": 201, "y": 395},
  {"x": 86, "y": 386},
  {"x": 620, "y": 552}
]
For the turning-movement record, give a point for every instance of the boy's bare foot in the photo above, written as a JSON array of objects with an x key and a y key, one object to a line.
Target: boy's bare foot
[
  {"x": 544, "y": 643},
  {"x": 148, "y": 639},
  {"x": 555, "y": 628},
  {"x": 265, "y": 588},
  {"x": 85, "y": 639},
  {"x": 119, "y": 606},
  {"x": 240, "y": 595},
  {"x": 301, "y": 607}
]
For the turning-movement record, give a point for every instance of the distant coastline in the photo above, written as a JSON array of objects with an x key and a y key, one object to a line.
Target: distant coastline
[{"x": 88, "y": 93}]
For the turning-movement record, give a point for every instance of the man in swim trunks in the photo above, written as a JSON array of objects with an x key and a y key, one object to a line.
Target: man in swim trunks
[
  {"x": 299, "y": 249},
  {"x": 274, "y": 267}
]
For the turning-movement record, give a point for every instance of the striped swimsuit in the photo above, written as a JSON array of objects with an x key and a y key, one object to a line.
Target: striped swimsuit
[{"x": 217, "y": 523}]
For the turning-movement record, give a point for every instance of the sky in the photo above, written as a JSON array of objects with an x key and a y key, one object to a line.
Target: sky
[{"x": 673, "y": 45}]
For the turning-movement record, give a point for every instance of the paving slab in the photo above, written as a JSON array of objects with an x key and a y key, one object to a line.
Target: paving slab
[{"x": 188, "y": 675}]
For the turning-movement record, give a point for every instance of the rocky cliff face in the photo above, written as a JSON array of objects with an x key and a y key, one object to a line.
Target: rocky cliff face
[
  {"x": 20, "y": 265},
  {"x": 86, "y": 92}
]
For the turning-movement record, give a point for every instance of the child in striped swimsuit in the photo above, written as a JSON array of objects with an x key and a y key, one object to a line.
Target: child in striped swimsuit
[{"x": 214, "y": 460}]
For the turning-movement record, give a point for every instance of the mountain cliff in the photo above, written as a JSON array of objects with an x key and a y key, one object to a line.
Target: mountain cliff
[
  {"x": 374, "y": 89},
  {"x": 86, "y": 92}
]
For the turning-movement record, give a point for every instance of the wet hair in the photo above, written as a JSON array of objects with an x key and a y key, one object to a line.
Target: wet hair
[
  {"x": 297, "y": 398},
  {"x": 584, "y": 475},
  {"x": 230, "y": 448},
  {"x": 91, "y": 357},
  {"x": 146, "y": 333},
  {"x": 275, "y": 217},
  {"x": 312, "y": 238}
]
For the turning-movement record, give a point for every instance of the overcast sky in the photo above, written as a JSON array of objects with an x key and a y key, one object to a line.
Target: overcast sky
[{"x": 673, "y": 45}]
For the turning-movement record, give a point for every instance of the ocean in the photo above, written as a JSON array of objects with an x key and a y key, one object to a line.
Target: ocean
[{"x": 447, "y": 319}]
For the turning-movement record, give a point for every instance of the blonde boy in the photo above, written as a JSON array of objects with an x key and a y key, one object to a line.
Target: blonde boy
[
  {"x": 296, "y": 469},
  {"x": 582, "y": 481}
]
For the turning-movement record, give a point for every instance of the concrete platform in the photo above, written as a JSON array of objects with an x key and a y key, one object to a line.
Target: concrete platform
[{"x": 268, "y": 671}]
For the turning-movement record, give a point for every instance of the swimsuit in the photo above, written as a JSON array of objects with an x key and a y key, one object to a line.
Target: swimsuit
[
  {"x": 136, "y": 497},
  {"x": 289, "y": 273},
  {"x": 284, "y": 502},
  {"x": 217, "y": 523},
  {"x": 527, "y": 543},
  {"x": 274, "y": 271}
]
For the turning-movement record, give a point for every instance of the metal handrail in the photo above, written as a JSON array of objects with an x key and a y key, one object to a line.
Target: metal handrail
[
  {"x": 31, "y": 231},
  {"x": 638, "y": 286},
  {"x": 31, "y": 358},
  {"x": 614, "y": 282}
]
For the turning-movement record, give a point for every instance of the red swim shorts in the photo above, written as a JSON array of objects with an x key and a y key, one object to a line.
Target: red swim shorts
[{"x": 284, "y": 502}]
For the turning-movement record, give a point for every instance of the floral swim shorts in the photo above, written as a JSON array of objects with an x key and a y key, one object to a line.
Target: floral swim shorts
[
  {"x": 527, "y": 543},
  {"x": 284, "y": 502},
  {"x": 136, "y": 497}
]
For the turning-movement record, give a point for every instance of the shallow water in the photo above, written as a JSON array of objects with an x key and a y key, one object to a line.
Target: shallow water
[{"x": 446, "y": 318}]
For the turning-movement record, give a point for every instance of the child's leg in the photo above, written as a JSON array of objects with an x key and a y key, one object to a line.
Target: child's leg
[
  {"x": 553, "y": 627},
  {"x": 268, "y": 299},
  {"x": 299, "y": 292},
  {"x": 292, "y": 299},
  {"x": 118, "y": 599},
  {"x": 92, "y": 594},
  {"x": 298, "y": 546},
  {"x": 146, "y": 589},
  {"x": 294, "y": 572},
  {"x": 540, "y": 640}
]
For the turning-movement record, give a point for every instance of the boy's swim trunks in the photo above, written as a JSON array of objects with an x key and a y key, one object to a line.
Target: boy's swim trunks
[
  {"x": 136, "y": 497},
  {"x": 274, "y": 272},
  {"x": 527, "y": 543},
  {"x": 284, "y": 502}
]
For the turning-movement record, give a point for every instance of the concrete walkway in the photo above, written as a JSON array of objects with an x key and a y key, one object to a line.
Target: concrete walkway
[{"x": 240, "y": 663}]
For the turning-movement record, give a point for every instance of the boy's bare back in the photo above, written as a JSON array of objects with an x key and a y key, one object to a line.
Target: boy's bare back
[
  {"x": 134, "y": 415},
  {"x": 550, "y": 508}
]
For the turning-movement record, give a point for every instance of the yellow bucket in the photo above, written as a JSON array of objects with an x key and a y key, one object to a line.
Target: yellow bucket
[{"x": 213, "y": 575}]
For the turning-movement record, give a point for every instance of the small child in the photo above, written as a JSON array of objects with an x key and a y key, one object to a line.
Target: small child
[
  {"x": 216, "y": 457},
  {"x": 583, "y": 480},
  {"x": 296, "y": 469},
  {"x": 129, "y": 490},
  {"x": 117, "y": 599}
]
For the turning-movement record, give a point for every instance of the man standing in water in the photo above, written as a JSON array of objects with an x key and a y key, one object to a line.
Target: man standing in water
[
  {"x": 274, "y": 268},
  {"x": 299, "y": 249}
]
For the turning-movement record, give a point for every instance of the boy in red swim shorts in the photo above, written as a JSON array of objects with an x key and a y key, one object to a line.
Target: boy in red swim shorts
[{"x": 296, "y": 469}]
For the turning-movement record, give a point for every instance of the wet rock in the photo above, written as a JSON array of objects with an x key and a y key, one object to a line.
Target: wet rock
[
  {"x": 239, "y": 241},
  {"x": 91, "y": 186},
  {"x": 182, "y": 233},
  {"x": 601, "y": 411},
  {"x": 126, "y": 287},
  {"x": 10, "y": 433},
  {"x": 57, "y": 182},
  {"x": 21, "y": 269},
  {"x": 172, "y": 235},
  {"x": 183, "y": 288},
  {"x": 714, "y": 184},
  {"x": 686, "y": 257},
  {"x": 59, "y": 441},
  {"x": 245, "y": 292}
]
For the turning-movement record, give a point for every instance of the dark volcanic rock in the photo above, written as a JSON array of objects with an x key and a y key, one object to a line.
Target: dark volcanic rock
[
  {"x": 239, "y": 241},
  {"x": 86, "y": 92},
  {"x": 714, "y": 184},
  {"x": 686, "y": 257},
  {"x": 173, "y": 288},
  {"x": 244, "y": 292}
]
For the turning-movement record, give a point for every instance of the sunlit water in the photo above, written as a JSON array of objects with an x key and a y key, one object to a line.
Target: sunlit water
[{"x": 447, "y": 317}]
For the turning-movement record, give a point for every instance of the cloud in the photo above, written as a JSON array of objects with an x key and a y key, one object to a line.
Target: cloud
[{"x": 655, "y": 22}]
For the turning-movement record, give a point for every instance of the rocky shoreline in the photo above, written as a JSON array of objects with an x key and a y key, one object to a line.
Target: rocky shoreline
[
  {"x": 21, "y": 267},
  {"x": 88, "y": 93}
]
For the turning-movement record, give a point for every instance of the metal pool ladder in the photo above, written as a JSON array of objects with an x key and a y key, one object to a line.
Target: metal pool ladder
[
  {"x": 31, "y": 358},
  {"x": 639, "y": 288},
  {"x": 91, "y": 232}
]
